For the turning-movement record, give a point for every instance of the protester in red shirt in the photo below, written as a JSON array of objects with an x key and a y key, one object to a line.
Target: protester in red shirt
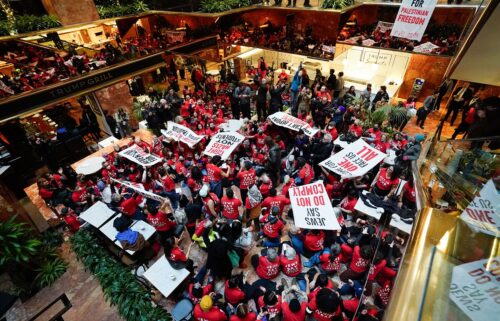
[
  {"x": 287, "y": 184},
  {"x": 70, "y": 219},
  {"x": 306, "y": 172},
  {"x": 266, "y": 266},
  {"x": 247, "y": 179},
  {"x": 230, "y": 205},
  {"x": 408, "y": 196},
  {"x": 360, "y": 262},
  {"x": 290, "y": 261},
  {"x": 271, "y": 302},
  {"x": 130, "y": 206},
  {"x": 313, "y": 242},
  {"x": 243, "y": 314},
  {"x": 206, "y": 311},
  {"x": 386, "y": 182},
  {"x": 163, "y": 222},
  {"x": 232, "y": 292},
  {"x": 275, "y": 200},
  {"x": 349, "y": 202},
  {"x": 324, "y": 305},
  {"x": 332, "y": 130}
]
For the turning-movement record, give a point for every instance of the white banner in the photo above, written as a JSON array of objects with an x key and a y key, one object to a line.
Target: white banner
[
  {"x": 354, "y": 160},
  {"x": 475, "y": 288},
  {"x": 383, "y": 26},
  {"x": 483, "y": 213},
  {"x": 139, "y": 156},
  {"x": 413, "y": 18},
  {"x": 223, "y": 144},
  {"x": 139, "y": 188},
  {"x": 312, "y": 208},
  {"x": 181, "y": 133},
  {"x": 288, "y": 121}
]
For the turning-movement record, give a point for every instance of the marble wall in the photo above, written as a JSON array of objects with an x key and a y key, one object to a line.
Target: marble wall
[{"x": 72, "y": 11}]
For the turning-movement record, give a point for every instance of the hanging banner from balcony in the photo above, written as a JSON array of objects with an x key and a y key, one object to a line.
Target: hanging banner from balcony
[
  {"x": 413, "y": 18},
  {"x": 354, "y": 160},
  {"x": 483, "y": 213},
  {"x": 474, "y": 288}
]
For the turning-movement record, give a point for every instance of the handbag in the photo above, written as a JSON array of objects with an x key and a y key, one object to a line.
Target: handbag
[{"x": 234, "y": 258}]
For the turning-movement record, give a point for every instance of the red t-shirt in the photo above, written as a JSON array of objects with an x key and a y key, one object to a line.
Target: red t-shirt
[
  {"x": 278, "y": 200},
  {"x": 375, "y": 269},
  {"x": 177, "y": 255},
  {"x": 72, "y": 222},
  {"x": 267, "y": 270},
  {"x": 160, "y": 222},
  {"x": 273, "y": 230},
  {"x": 290, "y": 267},
  {"x": 383, "y": 183},
  {"x": 327, "y": 265},
  {"x": 320, "y": 315},
  {"x": 348, "y": 204},
  {"x": 314, "y": 242},
  {"x": 168, "y": 183},
  {"x": 129, "y": 206},
  {"x": 214, "y": 173},
  {"x": 233, "y": 295},
  {"x": 45, "y": 193},
  {"x": 294, "y": 316},
  {"x": 206, "y": 290},
  {"x": 247, "y": 178},
  {"x": 381, "y": 146},
  {"x": 358, "y": 263},
  {"x": 271, "y": 308},
  {"x": 409, "y": 192},
  {"x": 214, "y": 314},
  {"x": 251, "y": 316},
  {"x": 306, "y": 174},
  {"x": 230, "y": 207},
  {"x": 286, "y": 187}
]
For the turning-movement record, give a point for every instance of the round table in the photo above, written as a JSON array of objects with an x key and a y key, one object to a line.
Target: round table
[{"x": 90, "y": 166}]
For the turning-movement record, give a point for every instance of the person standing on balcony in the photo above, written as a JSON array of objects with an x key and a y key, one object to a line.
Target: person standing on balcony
[
  {"x": 461, "y": 97},
  {"x": 424, "y": 111},
  {"x": 339, "y": 85}
]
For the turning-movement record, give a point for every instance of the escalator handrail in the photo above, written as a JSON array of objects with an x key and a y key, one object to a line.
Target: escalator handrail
[{"x": 470, "y": 139}]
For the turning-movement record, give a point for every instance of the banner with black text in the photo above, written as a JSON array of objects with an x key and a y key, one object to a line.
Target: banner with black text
[
  {"x": 139, "y": 188},
  {"x": 139, "y": 156},
  {"x": 223, "y": 144},
  {"x": 354, "y": 160},
  {"x": 413, "y": 18},
  {"x": 483, "y": 213},
  {"x": 312, "y": 209},
  {"x": 288, "y": 121},
  {"x": 181, "y": 133}
]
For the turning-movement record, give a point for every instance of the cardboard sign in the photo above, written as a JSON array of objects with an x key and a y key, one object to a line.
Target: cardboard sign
[
  {"x": 413, "y": 18},
  {"x": 288, "y": 121},
  {"x": 139, "y": 156},
  {"x": 354, "y": 160},
  {"x": 312, "y": 209},
  {"x": 223, "y": 144},
  {"x": 181, "y": 133},
  {"x": 475, "y": 288},
  {"x": 139, "y": 188},
  {"x": 483, "y": 213}
]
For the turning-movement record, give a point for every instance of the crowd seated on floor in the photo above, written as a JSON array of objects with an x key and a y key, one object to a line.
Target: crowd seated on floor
[
  {"x": 237, "y": 211},
  {"x": 280, "y": 38},
  {"x": 444, "y": 38}
]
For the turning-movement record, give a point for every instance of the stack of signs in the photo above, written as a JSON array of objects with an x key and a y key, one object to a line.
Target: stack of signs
[
  {"x": 139, "y": 189},
  {"x": 312, "y": 208},
  {"x": 483, "y": 213},
  {"x": 354, "y": 160},
  {"x": 139, "y": 156},
  {"x": 288, "y": 121},
  {"x": 181, "y": 133},
  {"x": 223, "y": 144},
  {"x": 475, "y": 289},
  {"x": 413, "y": 18}
]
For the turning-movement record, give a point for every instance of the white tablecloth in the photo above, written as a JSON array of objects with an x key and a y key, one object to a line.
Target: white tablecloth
[
  {"x": 108, "y": 141},
  {"x": 90, "y": 166},
  {"x": 164, "y": 277},
  {"x": 97, "y": 214}
]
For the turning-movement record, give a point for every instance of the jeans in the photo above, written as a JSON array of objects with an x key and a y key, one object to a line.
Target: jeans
[
  {"x": 294, "y": 97},
  {"x": 216, "y": 187},
  {"x": 314, "y": 260},
  {"x": 272, "y": 242},
  {"x": 297, "y": 243}
]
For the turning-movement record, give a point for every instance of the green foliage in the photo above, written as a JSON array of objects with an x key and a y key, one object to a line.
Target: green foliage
[
  {"x": 223, "y": 5},
  {"x": 50, "y": 271},
  {"x": 118, "y": 284},
  {"x": 112, "y": 9},
  {"x": 16, "y": 242},
  {"x": 336, "y": 4},
  {"x": 28, "y": 23}
]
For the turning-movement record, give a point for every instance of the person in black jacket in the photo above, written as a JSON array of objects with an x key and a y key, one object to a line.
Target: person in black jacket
[
  {"x": 274, "y": 160},
  {"x": 321, "y": 150},
  {"x": 261, "y": 99},
  {"x": 331, "y": 81},
  {"x": 276, "y": 101}
]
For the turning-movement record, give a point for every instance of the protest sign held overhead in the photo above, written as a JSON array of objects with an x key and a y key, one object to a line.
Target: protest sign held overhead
[
  {"x": 139, "y": 156},
  {"x": 312, "y": 209},
  {"x": 483, "y": 213},
  {"x": 288, "y": 121},
  {"x": 413, "y": 18},
  {"x": 181, "y": 133},
  {"x": 475, "y": 288},
  {"x": 223, "y": 144},
  {"x": 354, "y": 160},
  {"x": 139, "y": 188}
]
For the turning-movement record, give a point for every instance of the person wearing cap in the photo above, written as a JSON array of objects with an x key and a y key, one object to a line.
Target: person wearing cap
[
  {"x": 231, "y": 205},
  {"x": 207, "y": 311},
  {"x": 290, "y": 261},
  {"x": 266, "y": 265},
  {"x": 211, "y": 203},
  {"x": 412, "y": 151},
  {"x": 273, "y": 225}
]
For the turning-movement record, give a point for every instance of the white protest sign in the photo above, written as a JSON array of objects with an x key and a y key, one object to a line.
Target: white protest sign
[
  {"x": 312, "y": 208},
  {"x": 383, "y": 26},
  {"x": 232, "y": 125},
  {"x": 354, "y": 160},
  {"x": 223, "y": 144},
  {"x": 475, "y": 288},
  {"x": 139, "y": 188},
  {"x": 139, "y": 156},
  {"x": 413, "y": 18},
  {"x": 288, "y": 121},
  {"x": 181, "y": 133},
  {"x": 483, "y": 212}
]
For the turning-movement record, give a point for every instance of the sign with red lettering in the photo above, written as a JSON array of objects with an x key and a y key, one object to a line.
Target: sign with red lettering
[
  {"x": 413, "y": 18},
  {"x": 139, "y": 189},
  {"x": 475, "y": 289},
  {"x": 483, "y": 213},
  {"x": 181, "y": 133},
  {"x": 223, "y": 144},
  {"x": 288, "y": 121},
  {"x": 139, "y": 156},
  {"x": 312, "y": 209},
  {"x": 354, "y": 160}
]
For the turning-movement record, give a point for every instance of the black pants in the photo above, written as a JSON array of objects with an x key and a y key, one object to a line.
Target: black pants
[
  {"x": 244, "y": 193},
  {"x": 245, "y": 110},
  {"x": 336, "y": 93},
  {"x": 463, "y": 127},
  {"x": 261, "y": 110},
  {"x": 182, "y": 73},
  {"x": 421, "y": 119},
  {"x": 236, "y": 111},
  {"x": 453, "y": 110}
]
